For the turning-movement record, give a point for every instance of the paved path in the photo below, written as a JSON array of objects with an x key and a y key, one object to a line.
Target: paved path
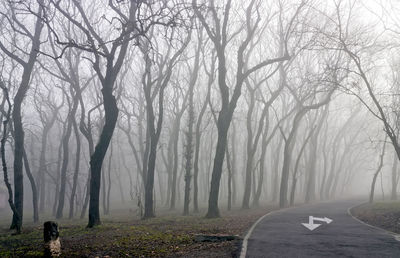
[{"x": 281, "y": 234}]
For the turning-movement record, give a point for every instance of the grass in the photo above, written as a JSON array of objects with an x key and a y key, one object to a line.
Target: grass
[
  {"x": 379, "y": 207},
  {"x": 383, "y": 214},
  {"x": 123, "y": 234}
]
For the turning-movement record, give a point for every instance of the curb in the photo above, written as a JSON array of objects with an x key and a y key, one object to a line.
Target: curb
[
  {"x": 396, "y": 236},
  {"x": 243, "y": 250}
]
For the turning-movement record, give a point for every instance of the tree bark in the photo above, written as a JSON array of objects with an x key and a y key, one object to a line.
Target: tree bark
[
  {"x": 107, "y": 209},
  {"x": 296, "y": 167},
  {"x": 154, "y": 130},
  {"x": 378, "y": 170},
  {"x": 250, "y": 152},
  {"x": 58, "y": 168},
  {"x": 393, "y": 195},
  {"x": 87, "y": 133},
  {"x": 76, "y": 170},
  {"x": 4, "y": 160},
  {"x": 189, "y": 135},
  {"x": 96, "y": 160},
  {"x": 175, "y": 137},
  {"x": 229, "y": 167},
  {"x": 287, "y": 157},
  {"x": 17, "y": 122},
  {"x": 311, "y": 184},
  {"x": 34, "y": 189},
  {"x": 228, "y": 104},
  {"x": 275, "y": 171},
  {"x": 65, "y": 159},
  {"x": 289, "y": 145},
  {"x": 198, "y": 135},
  {"x": 48, "y": 124}
]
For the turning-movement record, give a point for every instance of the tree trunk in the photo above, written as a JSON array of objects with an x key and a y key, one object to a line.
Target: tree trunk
[
  {"x": 18, "y": 160},
  {"x": 223, "y": 126},
  {"x": 6, "y": 121},
  {"x": 96, "y": 160},
  {"x": 34, "y": 189},
  {"x": 169, "y": 160},
  {"x": 288, "y": 150},
  {"x": 196, "y": 169},
  {"x": 41, "y": 172},
  {"x": 229, "y": 167},
  {"x": 250, "y": 152},
  {"x": 233, "y": 163},
  {"x": 371, "y": 194},
  {"x": 393, "y": 195},
  {"x": 378, "y": 170},
  {"x": 109, "y": 180},
  {"x": 264, "y": 143},
  {"x": 58, "y": 167},
  {"x": 198, "y": 135},
  {"x": 154, "y": 133},
  {"x": 293, "y": 190},
  {"x": 87, "y": 133},
  {"x": 311, "y": 184},
  {"x": 86, "y": 200},
  {"x": 287, "y": 157},
  {"x": 312, "y": 162},
  {"x": 189, "y": 154},
  {"x": 65, "y": 160},
  {"x": 325, "y": 168},
  {"x": 148, "y": 207},
  {"x": 175, "y": 133},
  {"x": 189, "y": 136},
  {"x": 275, "y": 171},
  {"x": 76, "y": 170},
  {"x": 296, "y": 168},
  {"x": 331, "y": 174},
  {"x": 17, "y": 121},
  {"x": 42, "y": 159},
  {"x": 153, "y": 130}
]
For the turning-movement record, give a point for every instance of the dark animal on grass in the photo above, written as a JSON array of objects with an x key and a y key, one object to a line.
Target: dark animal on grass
[{"x": 52, "y": 245}]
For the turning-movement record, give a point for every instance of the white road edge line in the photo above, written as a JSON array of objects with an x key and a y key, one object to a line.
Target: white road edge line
[
  {"x": 395, "y": 235},
  {"x": 243, "y": 250}
]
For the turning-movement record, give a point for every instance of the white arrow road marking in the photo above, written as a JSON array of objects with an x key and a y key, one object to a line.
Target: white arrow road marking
[
  {"x": 311, "y": 226},
  {"x": 327, "y": 220}
]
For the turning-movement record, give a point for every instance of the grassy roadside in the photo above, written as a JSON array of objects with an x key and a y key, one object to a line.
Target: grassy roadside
[
  {"x": 384, "y": 214},
  {"x": 169, "y": 235}
]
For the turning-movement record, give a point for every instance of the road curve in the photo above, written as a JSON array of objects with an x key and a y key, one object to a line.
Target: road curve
[{"x": 281, "y": 234}]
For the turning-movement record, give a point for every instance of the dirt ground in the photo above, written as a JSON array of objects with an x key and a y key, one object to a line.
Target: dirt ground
[
  {"x": 385, "y": 215},
  {"x": 168, "y": 235}
]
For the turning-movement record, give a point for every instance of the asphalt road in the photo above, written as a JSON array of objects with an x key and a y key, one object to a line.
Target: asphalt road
[{"x": 281, "y": 234}]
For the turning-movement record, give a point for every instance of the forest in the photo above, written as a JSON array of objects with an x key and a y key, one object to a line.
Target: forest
[{"x": 193, "y": 108}]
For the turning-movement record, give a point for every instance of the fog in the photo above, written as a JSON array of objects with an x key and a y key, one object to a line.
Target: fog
[{"x": 139, "y": 107}]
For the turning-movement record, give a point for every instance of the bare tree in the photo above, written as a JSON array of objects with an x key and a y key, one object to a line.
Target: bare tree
[
  {"x": 113, "y": 54},
  {"x": 217, "y": 31},
  {"x": 290, "y": 141},
  {"x": 154, "y": 128},
  {"x": 211, "y": 77},
  {"x": 3, "y": 156},
  {"x": 48, "y": 111},
  {"x": 296, "y": 166},
  {"x": 15, "y": 20},
  {"x": 312, "y": 162},
  {"x": 356, "y": 53},
  {"x": 378, "y": 170},
  {"x": 191, "y": 120}
]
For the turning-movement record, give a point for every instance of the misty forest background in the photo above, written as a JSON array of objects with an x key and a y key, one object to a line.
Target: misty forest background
[{"x": 195, "y": 104}]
